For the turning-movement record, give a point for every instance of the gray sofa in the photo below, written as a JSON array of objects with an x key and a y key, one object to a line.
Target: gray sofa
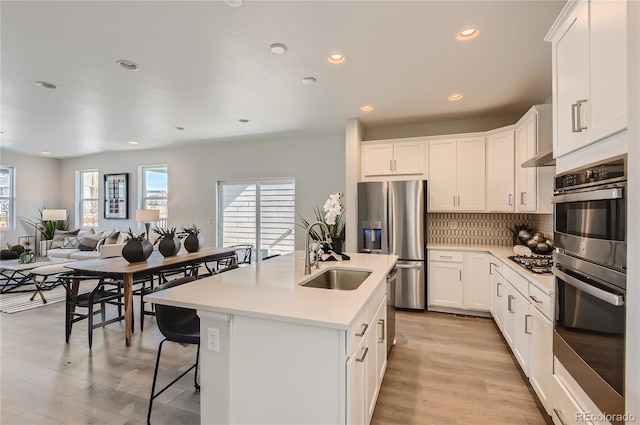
[{"x": 65, "y": 245}]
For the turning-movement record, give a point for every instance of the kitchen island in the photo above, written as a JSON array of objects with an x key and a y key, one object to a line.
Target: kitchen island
[{"x": 274, "y": 351}]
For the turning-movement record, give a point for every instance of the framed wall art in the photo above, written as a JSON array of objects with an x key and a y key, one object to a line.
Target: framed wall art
[{"x": 116, "y": 196}]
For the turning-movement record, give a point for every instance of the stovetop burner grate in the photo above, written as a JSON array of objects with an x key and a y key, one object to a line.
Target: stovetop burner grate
[{"x": 536, "y": 263}]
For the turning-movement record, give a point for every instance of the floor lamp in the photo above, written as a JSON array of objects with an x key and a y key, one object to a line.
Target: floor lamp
[
  {"x": 54, "y": 216},
  {"x": 147, "y": 217}
]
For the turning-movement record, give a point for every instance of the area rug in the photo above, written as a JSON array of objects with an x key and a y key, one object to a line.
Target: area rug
[{"x": 13, "y": 302}]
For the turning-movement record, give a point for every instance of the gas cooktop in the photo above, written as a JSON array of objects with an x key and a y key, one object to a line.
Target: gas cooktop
[{"x": 540, "y": 264}]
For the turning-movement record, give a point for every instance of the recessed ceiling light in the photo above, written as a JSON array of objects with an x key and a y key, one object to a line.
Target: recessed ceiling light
[
  {"x": 308, "y": 81},
  {"x": 467, "y": 34},
  {"x": 46, "y": 85},
  {"x": 46, "y": 153},
  {"x": 243, "y": 120},
  {"x": 336, "y": 58},
  {"x": 455, "y": 96},
  {"x": 179, "y": 128},
  {"x": 366, "y": 108},
  {"x": 133, "y": 142},
  {"x": 234, "y": 3},
  {"x": 127, "y": 65},
  {"x": 278, "y": 48}
]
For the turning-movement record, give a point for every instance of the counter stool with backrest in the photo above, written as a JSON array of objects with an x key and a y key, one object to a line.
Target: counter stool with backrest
[
  {"x": 104, "y": 293},
  {"x": 176, "y": 324}
]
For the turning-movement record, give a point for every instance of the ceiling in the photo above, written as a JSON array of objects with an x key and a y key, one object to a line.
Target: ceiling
[{"x": 205, "y": 65}]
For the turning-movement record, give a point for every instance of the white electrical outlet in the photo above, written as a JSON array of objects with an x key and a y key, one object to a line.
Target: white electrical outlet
[{"x": 213, "y": 342}]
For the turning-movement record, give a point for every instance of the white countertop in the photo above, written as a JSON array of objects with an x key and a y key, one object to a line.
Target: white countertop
[
  {"x": 271, "y": 289},
  {"x": 545, "y": 282}
]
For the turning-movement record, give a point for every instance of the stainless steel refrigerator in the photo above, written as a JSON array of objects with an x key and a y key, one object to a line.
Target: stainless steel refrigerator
[{"x": 392, "y": 220}]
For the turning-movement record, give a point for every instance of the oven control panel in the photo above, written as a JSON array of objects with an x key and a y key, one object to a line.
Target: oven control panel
[{"x": 594, "y": 174}]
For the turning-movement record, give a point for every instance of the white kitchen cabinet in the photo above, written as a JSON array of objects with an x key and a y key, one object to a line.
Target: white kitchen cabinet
[
  {"x": 445, "y": 284},
  {"x": 534, "y": 185},
  {"x": 500, "y": 172},
  {"x": 356, "y": 396},
  {"x": 477, "y": 281},
  {"x": 457, "y": 174},
  {"x": 541, "y": 356},
  {"x": 497, "y": 289},
  {"x": 516, "y": 325},
  {"x": 588, "y": 73},
  {"x": 381, "y": 159},
  {"x": 381, "y": 342}
]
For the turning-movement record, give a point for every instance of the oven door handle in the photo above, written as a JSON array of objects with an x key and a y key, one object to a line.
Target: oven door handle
[
  {"x": 613, "y": 299},
  {"x": 595, "y": 195}
]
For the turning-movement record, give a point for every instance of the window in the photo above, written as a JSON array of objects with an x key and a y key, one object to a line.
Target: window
[
  {"x": 88, "y": 192},
  {"x": 155, "y": 190},
  {"x": 7, "y": 198},
  {"x": 258, "y": 212}
]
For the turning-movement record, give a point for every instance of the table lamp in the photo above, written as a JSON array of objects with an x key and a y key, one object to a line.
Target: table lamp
[
  {"x": 55, "y": 216},
  {"x": 147, "y": 217}
]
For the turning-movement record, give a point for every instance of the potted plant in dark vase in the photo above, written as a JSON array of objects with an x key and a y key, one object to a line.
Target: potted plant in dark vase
[
  {"x": 137, "y": 248},
  {"x": 193, "y": 241},
  {"x": 332, "y": 214},
  {"x": 168, "y": 241}
]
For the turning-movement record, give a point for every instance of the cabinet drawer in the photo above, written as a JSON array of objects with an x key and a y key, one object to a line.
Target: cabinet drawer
[
  {"x": 495, "y": 266},
  {"x": 565, "y": 407},
  {"x": 541, "y": 300},
  {"x": 362, "y": 324},
  {"x": 517, "y": 280},
  {"x": 451, "y": 256}
]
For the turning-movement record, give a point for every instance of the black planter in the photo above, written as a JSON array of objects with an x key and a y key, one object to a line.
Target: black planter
[
  {"x": 193, "y": 243},
  {"x": 136, "y": 251},
  {"x": 169, "y": 247},
  {"x": 337, "y": 244}
]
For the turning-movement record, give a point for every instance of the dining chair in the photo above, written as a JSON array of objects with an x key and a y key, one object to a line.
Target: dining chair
[
  {"x": 105, "y": 292},
  {"x": 176, "y": 324},
  {"x": 244, "y": 253}
]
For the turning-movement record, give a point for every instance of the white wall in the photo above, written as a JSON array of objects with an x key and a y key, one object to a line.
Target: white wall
[
  {"x": 315, "y": 161},
  {"x": 37, "y": 185}
]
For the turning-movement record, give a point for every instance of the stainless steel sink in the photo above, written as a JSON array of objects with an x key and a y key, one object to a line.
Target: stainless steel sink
[{"x": 338, "y": 279}]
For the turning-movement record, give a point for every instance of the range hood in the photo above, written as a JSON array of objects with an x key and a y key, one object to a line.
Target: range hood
[{"x": 544, "y": 158}]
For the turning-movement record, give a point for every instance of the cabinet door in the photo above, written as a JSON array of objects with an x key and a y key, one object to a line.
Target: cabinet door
[
  {"x": 381, "y": 341},
  {"x": 370, "y": 370},
  {"x": 500, "y": 168},
  {"x": 541, "y": 357},
  {"x": 497, "y": 290},
  {"x": 608, "y": 66},
  {"x": 356, "y": 413},
  {"x": 445, "y": 284},
  {"x": 509, "y": 323},
  {"x": 408, "y": 158},
  {"x": 570, "y": 51},
  {"x": 476, "y": 281},
  {"x": 526, "y": 195},
  {"x": 471, "y": 172},
  {"x": 377, "y": 159},
  {"x": 442, "y": 175},
  {"x": 523, "y": 330}
]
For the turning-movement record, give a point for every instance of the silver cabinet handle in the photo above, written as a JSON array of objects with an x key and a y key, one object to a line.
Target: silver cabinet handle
[
  {"x": 363, "y": 330},
  {"x": 460, "y": 275},
  {"x": 391, "y": 165},
  {"x": 526, "y": 324},
  {"x": 510, "y": 196},
  {"x": 395, "y": 165},
  {"x": 579, "y": 125},
  {"x": 574, "y": 109},
  {"x": 498, "y": 290},
  {"x": 523, "y": 198},
  {"x": 458, "y": 200},
  {"x": 535, "y": 300},
  {"x": 491, "y": 268},
  {"x": 446, "y": 256},
  {"x": 364, "y": 354},
  {"x": 454, "y": 200},
  {"x": 509, "y": 299},
  {"x": 560, "y": 416},
  {"x": 381, "y": 339}
]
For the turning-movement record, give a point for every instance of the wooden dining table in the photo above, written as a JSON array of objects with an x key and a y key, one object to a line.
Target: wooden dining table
[{"x": 119, "y": 268}]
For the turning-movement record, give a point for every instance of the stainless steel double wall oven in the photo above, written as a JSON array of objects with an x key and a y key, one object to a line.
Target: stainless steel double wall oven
[{"x": 590, "y": 271}]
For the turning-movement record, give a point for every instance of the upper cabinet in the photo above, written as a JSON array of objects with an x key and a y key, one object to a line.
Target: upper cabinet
[
  {"x": 500, "y": 175},
  {"x": 393, "y": 158},
  {"x": 534, "y": 185},
  {"x": 457, "y": 174},
  {"x": 589, "y": 73}
]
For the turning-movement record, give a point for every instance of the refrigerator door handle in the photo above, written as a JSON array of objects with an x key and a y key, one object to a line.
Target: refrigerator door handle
[{"x": 408, "y": 266}]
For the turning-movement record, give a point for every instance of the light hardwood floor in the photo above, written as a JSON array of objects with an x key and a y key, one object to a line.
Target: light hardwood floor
[{"x": 444, "y": 370}]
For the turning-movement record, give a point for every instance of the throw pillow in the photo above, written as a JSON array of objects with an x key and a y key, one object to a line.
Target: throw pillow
[
  {"x": 89, "y": 243},
  {"x": 59, "y": 235},
  {"x": 86, "y": 232},
  {"x": 70, "y": 242},
  {"x": 112, "y": 238}
]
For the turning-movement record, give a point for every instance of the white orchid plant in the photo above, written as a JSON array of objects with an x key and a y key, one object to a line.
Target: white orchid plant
[{"x": 332, "y": 214}]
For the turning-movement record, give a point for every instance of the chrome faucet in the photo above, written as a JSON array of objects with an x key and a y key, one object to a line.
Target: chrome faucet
[{"x": 307, "y": 257}]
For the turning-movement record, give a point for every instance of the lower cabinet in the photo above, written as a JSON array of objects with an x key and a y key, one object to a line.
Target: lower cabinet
[
  {"x": 496, "y": 282},
  {"x": 366, "y": 366},
  {"x": 516, "y": 312},
  {"x": 459, "y": 280},
  {"x": 540, "y": 356}
]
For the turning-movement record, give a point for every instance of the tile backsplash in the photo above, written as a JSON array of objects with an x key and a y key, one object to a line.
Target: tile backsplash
[{"x": 482, "y": 228}]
